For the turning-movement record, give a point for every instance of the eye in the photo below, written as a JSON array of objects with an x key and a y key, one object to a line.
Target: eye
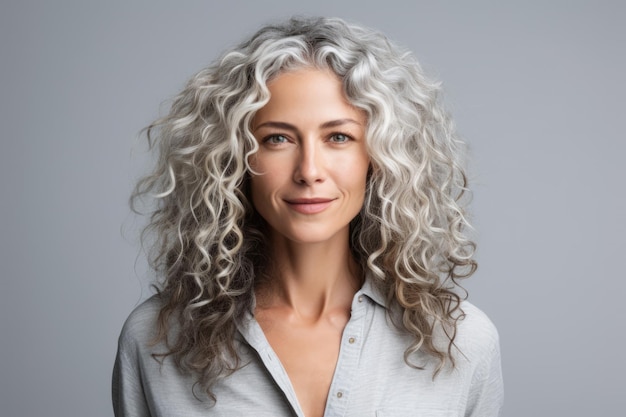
[
  {"x": 339, "y": 138},
  {"x": 276, "y": 139}
]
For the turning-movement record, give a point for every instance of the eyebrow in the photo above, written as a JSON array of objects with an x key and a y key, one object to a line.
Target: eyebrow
[{"x": 325, "y": 125}]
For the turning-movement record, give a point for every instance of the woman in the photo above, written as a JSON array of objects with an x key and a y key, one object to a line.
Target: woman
[{"x": 309, "y": 233}]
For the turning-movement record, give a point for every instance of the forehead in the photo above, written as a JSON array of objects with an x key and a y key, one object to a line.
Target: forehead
[{"x": 308, "y": 93}]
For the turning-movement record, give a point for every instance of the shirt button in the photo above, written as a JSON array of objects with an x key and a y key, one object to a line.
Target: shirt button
[
  {"x": 339, "y": 394},
  {"x": 360, "y": 298},
  {"x": 351, "y": 340}
]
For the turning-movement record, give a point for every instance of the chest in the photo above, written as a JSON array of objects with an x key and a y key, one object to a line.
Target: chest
[
  {"x": 308, "y": 352},
  {"x": 357, "y": 372}
]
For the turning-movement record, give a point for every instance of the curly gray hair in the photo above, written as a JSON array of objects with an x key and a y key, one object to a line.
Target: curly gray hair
[{"x": 208, "y": 240}]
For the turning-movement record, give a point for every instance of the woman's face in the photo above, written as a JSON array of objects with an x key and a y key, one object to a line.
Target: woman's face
[{"x": 312, "y": 160}]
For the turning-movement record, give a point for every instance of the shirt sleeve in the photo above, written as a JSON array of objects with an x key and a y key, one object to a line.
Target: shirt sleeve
[
  {"x": 127, "y": 388},
  {"x": 486, "y": 392}
]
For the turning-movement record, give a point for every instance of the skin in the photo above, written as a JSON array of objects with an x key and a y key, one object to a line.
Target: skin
[{"x": 312, "y": 169}]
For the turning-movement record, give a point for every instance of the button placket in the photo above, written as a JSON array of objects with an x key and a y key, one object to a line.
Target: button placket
[{"x": 349, "y": 355}]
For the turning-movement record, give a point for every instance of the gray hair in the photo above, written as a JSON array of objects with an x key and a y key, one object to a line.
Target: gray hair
[{"x": 208, "y": 240}]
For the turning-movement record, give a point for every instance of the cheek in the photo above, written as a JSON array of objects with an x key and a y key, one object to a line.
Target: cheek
[
  {"x": 265, "y": 185},
  {"x": 354, "y": 173},
  {"x": 253, "y": 161},
  {"x": 258, "y": 180}
]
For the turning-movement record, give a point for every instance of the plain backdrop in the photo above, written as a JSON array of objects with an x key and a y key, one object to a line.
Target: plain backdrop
[{"x": 537, "y": 90}]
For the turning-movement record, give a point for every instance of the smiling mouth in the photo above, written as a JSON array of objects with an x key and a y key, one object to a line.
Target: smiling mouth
[{"x": 309, "y": 205}]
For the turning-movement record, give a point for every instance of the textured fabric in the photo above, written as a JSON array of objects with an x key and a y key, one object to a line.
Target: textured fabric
[{"x": 371, "y": 377}]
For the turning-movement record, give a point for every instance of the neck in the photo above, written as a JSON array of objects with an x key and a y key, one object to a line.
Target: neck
[{"x": 311, "y": 279}]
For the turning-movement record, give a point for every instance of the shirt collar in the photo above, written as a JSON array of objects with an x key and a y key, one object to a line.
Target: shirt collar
[
  {"x": 251, "y": 331},
  {"x": 370, "y": 290}
]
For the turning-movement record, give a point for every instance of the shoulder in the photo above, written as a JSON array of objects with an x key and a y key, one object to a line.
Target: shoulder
[
  {"x": 140, "y": 327},
  {"x": 477, "y": 321},
  {"x": 477, "y": 336},
  {"x": 479, "y": 347}
]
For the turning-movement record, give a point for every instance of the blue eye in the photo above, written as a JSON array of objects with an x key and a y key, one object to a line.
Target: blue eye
[
  {"x": 339, "y": 138},
  {"x": 276, "y": 139}
]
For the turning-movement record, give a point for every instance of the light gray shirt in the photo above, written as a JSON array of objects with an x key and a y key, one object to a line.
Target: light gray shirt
[{"x": 371, "y": 377}]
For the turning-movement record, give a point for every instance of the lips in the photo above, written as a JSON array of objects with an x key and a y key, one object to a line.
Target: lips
[{"x": 309, "y": 205}]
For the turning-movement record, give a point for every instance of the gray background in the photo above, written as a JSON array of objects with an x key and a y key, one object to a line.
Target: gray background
[{"x": 536, "y": 88}]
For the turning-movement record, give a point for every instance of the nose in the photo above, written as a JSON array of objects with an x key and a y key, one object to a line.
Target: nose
[{"x": 310, "y": 167}]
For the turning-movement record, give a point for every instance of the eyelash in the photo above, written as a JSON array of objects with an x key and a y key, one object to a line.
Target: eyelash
[
  {"x": 348, "y": 137},
  {"x": 269, "y": 139}
]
